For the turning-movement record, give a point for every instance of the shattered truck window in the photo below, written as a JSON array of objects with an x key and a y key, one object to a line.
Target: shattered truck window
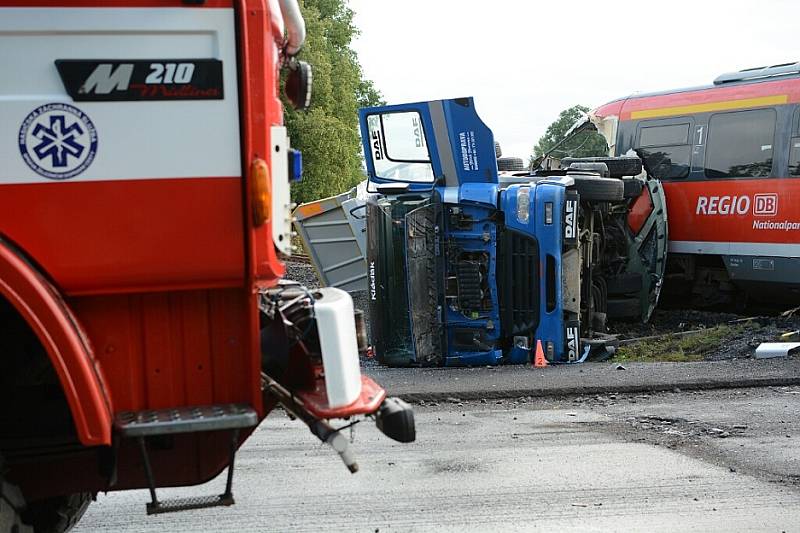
[{"x": 399, "y": 147}]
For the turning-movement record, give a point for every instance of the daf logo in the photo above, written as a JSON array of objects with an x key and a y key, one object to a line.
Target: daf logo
[
  {"x": 571, "y": 219},
  {"x": 376, "y": 145},
  {"x": 573, "y": 338}
]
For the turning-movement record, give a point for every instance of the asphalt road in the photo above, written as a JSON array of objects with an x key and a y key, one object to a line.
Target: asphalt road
[
  {"x": 589, "y": 378},
  {"x": 687, "y": 461}
]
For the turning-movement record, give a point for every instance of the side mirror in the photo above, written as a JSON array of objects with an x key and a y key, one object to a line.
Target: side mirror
[{"x": 298, "y": 84}]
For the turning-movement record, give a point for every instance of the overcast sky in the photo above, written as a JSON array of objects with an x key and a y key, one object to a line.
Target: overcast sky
[{"x": 525, "y": 61}]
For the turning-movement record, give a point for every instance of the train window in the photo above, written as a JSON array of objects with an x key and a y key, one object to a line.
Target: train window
[
  {"x": 796, "y": 122},
  {"x": 740, "y": 144},
  {"x": 665, "y": 150},
  {"x": 794, "y": 147},
  {"x": 794, "y": 157},
  {"x": 664, "y": 135}
]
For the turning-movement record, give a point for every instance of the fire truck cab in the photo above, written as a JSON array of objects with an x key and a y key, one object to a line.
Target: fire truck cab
[{"x": 144, "y": 211}]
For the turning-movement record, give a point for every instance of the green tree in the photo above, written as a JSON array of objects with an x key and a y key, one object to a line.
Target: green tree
[
  {"x": 327, "y": 133},
  {"x": 583, "y": 144}
]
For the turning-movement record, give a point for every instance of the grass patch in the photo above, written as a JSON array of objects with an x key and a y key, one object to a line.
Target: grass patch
[{"x": 683, "y": 348}]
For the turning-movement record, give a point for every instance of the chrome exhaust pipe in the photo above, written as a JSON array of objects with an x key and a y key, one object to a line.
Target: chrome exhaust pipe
[{"x": 295, "y": 26}]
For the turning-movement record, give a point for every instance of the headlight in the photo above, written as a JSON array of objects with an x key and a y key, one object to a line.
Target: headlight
[{"x": 524, "y": 205}]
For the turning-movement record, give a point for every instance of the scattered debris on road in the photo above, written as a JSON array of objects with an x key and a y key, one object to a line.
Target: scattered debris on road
[
  {"x": 768, "y": 350},
  {"x": 791, "y": 336}
]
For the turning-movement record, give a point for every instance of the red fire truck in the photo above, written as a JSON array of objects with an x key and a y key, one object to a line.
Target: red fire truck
[
  {"x": 144, "y": 207},
  {"x": 728, "y": 155}
]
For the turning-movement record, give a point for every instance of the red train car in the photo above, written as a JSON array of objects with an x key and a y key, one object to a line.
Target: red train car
[{"x": 728, "y": 155}]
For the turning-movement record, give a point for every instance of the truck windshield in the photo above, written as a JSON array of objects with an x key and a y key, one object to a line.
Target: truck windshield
[{"x": 399, "y": 149}]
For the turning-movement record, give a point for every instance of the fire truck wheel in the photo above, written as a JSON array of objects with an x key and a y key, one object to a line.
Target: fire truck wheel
[
  {"x": 597, "y": 189},
  {"x": 59, "y": 514},
  {"x": 11, "y": 506},
  {"x": 510, "y": 164}
]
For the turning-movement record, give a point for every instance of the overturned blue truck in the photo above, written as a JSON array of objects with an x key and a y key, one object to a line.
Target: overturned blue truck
[{"x": 470, "y": 266}]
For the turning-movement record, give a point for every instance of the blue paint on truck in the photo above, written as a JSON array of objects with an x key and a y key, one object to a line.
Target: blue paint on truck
[{"x": 466, "y": 264}]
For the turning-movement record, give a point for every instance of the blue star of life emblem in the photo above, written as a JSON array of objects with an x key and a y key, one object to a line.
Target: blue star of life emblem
[{"x": 58, "y": 141}]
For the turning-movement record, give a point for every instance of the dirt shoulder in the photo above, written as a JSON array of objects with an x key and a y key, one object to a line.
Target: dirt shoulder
[{"x": 681, "y": 335}]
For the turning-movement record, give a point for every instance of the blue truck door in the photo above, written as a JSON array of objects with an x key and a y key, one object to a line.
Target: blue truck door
[
  {"x": 419, "y": 145},
  {"x": 396, "y": 146}
]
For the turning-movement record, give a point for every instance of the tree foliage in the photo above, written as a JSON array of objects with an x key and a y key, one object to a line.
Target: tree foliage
[
  {"x": 583, "y": 144},
  {"x": 327, "y": 133}
]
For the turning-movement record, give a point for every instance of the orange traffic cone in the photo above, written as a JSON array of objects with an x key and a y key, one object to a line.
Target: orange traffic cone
[{"x": 538, "y": 360}]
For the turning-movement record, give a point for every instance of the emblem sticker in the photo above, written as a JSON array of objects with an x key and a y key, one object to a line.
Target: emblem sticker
[
  {"x": 573, "y": 340},
  {"x": 58, "y": 141},
  {"x": 571, "y": 219},
  {"x": 116, "y": 80}
]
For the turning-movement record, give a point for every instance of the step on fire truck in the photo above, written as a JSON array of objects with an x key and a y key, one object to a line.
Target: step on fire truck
[{"x": 144, "y": 206}]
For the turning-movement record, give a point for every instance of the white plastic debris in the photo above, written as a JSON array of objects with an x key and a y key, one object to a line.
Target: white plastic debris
[{"x": 768, "y": 350}]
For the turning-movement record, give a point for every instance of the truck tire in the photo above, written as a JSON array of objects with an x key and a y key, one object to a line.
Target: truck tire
[
  {"x": 12, "y": 505},
  {"x": 510, "y": 164},
  {"x": 624, "y": 308},
  {"x": 633, "y": 188},
  {"x": 617, "y": 166},
  {"x": 58, "y": 514},
  {"x": 598, "y": 168},
  {"x": 593, "y": 188},
  {"x": 498, "y": 153},
  {"x": 624, "y": 283}
]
